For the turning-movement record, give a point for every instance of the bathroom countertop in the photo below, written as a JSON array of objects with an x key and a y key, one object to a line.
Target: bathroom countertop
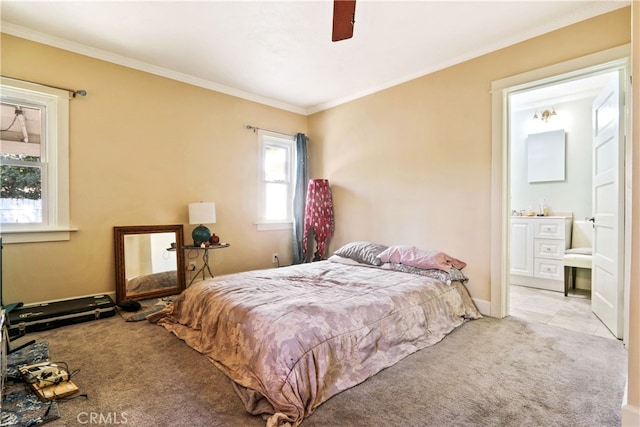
[{"x": 541, "y": 217}]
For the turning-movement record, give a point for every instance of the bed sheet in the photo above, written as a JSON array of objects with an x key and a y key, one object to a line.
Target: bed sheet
[{"x": 292, "y": 337}]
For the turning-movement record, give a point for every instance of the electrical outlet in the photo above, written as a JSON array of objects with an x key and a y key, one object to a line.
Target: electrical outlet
[
  {"x": 191, "y": 266},
  {"x": 274, "y": 258}
]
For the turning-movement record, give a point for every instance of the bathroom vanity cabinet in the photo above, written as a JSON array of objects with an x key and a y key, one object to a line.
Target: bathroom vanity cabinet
[{"x": 537, "y": 248}]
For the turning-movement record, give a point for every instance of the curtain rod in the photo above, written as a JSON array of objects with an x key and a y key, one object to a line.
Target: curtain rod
[
  {"x": 254, "y": 129},
  {"x": 73, "y": 92}
]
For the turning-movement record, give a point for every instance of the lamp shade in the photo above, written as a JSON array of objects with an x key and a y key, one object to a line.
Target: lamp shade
[{"x": 202, "y": 213}]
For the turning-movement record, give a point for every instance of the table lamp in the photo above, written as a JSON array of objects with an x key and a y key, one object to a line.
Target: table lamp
[{"x": 201, "y": 213}]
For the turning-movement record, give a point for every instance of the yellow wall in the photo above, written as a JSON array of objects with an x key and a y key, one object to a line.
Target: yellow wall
[{"x": 141, "y": 148}]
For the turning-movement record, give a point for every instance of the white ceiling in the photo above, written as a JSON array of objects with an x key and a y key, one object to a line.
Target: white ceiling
[{"x": 280, "y": 52}]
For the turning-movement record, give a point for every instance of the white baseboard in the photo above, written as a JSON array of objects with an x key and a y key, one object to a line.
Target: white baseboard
[
  {"x": 483, "y": 306},
  {"x": 630, "y": 416}
]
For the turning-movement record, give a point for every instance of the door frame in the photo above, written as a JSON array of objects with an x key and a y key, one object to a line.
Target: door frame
[{"x": 610, "y": 59}]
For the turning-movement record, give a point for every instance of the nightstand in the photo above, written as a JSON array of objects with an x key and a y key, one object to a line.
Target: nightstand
[{"x": 205, "y": 258}]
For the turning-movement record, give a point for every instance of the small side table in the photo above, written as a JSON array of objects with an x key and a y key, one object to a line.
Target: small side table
[{"x": 205, "y": 258}]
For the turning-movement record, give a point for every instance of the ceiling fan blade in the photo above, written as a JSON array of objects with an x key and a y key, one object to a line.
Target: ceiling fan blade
[{"x": 344, "y": 12}]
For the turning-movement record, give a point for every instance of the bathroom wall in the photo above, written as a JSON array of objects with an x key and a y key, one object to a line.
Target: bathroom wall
[{"x": 574, "y": 193}]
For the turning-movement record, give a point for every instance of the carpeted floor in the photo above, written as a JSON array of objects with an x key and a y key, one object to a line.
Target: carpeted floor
[{"x": 488, "y": 372}]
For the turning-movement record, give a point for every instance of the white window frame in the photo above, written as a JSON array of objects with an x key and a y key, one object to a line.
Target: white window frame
[
  {"x": 271, "y": 139},
  {"x": 55, "y": 224}
]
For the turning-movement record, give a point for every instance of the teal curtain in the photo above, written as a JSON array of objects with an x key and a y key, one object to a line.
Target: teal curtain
[{"x": 299, "y": 196}]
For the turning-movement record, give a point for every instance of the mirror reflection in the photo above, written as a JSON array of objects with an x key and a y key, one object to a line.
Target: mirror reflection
[{"x": 147, "y": 262}]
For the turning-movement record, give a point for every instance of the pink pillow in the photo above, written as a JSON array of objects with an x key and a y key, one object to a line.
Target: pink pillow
[{"x": 410, "y": 255}]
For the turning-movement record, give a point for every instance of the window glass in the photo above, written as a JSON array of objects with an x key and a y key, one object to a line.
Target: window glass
[
  {"x": 21, "y": 190},
  {"x": 275, "y": 163},
  {"x": 276, "y": 192},
  {"x": 277, "y": 202}
]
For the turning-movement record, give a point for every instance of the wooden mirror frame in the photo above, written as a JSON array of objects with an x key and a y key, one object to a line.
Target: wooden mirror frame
[{"x": 119, "y": 234}]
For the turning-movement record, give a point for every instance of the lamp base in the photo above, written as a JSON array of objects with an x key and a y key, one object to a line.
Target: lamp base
[{"x": 200, "y": 235}]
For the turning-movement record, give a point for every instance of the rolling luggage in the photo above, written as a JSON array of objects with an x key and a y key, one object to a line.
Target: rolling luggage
[{"x": 40, "y": 317}]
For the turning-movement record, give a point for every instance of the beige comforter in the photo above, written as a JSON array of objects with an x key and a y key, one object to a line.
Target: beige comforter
[{"x": 292, "y": 337}]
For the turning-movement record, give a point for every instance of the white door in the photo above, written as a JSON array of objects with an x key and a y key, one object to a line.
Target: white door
[{"x": 608, "y": 202}]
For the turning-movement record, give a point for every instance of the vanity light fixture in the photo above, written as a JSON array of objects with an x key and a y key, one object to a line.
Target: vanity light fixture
[
  {"x": 545, "y": 114},
  {"x": 201, "y": 213}
]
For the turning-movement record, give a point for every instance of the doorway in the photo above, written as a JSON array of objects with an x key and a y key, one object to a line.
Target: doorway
[
  {"x": 546, "y": 78},
  {"x": 552, "y": 184}
]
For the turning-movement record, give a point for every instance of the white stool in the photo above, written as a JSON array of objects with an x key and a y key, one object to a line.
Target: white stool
[{"x": 579, "y": 256}]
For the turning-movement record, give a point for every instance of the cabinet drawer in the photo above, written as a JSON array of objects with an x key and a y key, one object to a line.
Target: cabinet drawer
[
  {"x": 548, "y": 248},
  {"x": 549, "y": 229},
  {"x": 548, "y": 269}
]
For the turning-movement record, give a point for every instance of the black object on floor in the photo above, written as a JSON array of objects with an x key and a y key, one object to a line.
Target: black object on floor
[
  {"x": 130, "y": 305},
  {"x": 52, "y": 315}
]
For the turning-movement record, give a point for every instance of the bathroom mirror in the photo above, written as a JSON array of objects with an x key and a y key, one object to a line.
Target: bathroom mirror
[
  {"x": 546, "y": 156},
  {"x": 149, "y": 261}
]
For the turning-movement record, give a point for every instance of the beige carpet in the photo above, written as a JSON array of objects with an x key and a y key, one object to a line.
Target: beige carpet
[{"x": 488, "y": 372}]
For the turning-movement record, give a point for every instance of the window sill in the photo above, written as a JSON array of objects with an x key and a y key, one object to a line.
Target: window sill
[
  {"x": 269, "y": 226},
  {"x": 36, "y": 235}
]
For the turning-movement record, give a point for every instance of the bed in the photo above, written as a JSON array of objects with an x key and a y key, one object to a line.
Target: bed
[
  {"x": 292, "y": 337},
  {"x": 152, "y": 282}
]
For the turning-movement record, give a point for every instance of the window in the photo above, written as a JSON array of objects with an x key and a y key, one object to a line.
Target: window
[
  {"x": 276, "y": 181},
  {"x": 34, "y": 187}
]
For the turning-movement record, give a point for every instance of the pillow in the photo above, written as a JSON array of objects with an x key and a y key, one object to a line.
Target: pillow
[
  {"x": 434, "y": 273},
  {"x": 362, "y": 252},
  {"x": 344, "y": 260},
  {"x": 458, "y": 275},
  {"x": 410, "y": 255}
]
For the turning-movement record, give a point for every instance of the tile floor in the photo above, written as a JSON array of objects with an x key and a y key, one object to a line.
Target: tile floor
[{"x": 553, "y": 308}]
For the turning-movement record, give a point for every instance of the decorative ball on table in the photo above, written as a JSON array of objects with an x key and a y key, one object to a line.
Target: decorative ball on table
[
  {"x": 200, "y": 235},
  {"x": 214, "y": 240}
]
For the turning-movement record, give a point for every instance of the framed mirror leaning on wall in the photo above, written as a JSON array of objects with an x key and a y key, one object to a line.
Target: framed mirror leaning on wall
[{"x": 149, "y": 261}]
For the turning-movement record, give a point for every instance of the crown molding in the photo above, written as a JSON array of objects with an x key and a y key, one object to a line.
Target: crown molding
[{"x": 46, "y": 39}]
